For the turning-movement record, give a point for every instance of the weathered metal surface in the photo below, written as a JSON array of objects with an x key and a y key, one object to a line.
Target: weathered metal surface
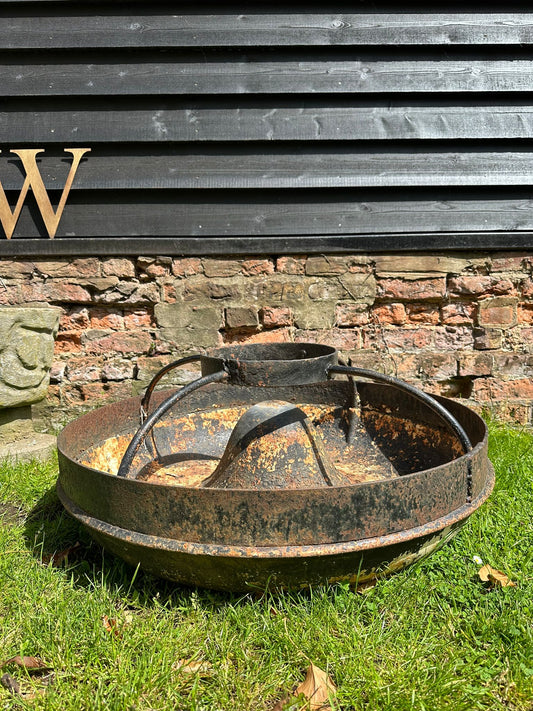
[
  {"x": 407, "y": 481},
  {"x": 272, "y": 364},
  {"x": 275, "y": 445}
]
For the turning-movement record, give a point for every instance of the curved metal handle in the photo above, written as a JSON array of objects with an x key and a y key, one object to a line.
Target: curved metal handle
[
  {"x": 415, "y": 392},
  {"x": 148, "y": 424},
  {"x": 145, "y": 402}
]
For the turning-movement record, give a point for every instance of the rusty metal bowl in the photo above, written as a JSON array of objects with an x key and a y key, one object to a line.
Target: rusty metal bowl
[{"x": 409, "y": 481}]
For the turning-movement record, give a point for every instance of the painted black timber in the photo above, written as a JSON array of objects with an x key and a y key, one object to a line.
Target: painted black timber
[{"x": 270, "y": 128}]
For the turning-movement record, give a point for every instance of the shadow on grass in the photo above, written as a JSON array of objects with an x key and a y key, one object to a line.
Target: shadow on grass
[{"x": 57, "y": 539}]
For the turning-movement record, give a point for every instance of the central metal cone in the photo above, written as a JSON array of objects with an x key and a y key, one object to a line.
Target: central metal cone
[{"x": 274, "y": 445}]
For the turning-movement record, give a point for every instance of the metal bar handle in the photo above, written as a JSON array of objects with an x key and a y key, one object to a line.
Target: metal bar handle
[
  {"x": 145, "y": 402},
  {"x": 415, "y": 392},
  {"x": 165, "y": 406}
]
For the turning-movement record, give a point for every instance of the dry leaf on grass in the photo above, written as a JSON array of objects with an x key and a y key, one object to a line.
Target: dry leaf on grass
[
  {"x": 32, "y": 664},
  {"x": 190, "y": 666},
  {"x": 111, "y": 625},
  {"x": 318, "y": 688},
  {"x": 59, "y": 558},
  {"x": 488, "y": 574}
]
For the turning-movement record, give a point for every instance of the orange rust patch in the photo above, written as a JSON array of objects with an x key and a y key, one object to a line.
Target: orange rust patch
[
  {"x": 355, "y": 464},
  {"x": 107, "y": 456}
]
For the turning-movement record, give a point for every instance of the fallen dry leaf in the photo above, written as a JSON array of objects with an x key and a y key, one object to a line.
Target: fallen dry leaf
[
  {"x": 188, "y": 666},
  {"x": 111, "y": 625},
  {"x": 32, "y": 664},
  {"x": 318, "y": 688},
  {"x": 488, "y": 574},
  {"x": 58, "y": 558}
]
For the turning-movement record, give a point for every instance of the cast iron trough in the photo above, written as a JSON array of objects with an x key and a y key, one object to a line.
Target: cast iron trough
[{"x": 278, "y": 468}]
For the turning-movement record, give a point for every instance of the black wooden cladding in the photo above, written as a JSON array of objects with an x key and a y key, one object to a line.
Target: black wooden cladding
[{"x": 271, "y": 128}]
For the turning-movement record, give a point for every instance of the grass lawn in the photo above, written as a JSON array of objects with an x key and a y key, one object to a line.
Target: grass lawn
[{"x": 431, "y": 637}]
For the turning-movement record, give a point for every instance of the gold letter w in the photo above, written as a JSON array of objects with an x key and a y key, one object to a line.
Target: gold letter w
[{"x": 34, "y": 180}]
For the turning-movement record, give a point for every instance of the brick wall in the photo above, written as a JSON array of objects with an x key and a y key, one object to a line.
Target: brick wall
[{"x": 460, "y": 324}]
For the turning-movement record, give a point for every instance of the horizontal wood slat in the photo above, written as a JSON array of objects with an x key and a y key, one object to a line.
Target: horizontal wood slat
[
  {"x": 256, "y": 29},
  {"x": 273, "y": 123},
  {"x": 309, "y": 169},
  {"x": 277, "y": 215},
  {"x": 266, "y": 77}
]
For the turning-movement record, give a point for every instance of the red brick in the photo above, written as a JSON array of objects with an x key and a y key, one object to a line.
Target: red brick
[
  {"x": 155, "y": 270},
  {"x": 186, "y": 267},
  {"x": 53, "y": 397},
  {"x": 478, "y": 285},
  {"x": 76, "y": 318},
  {"x": 398, "y": 338},
  {"x": 342, "y": 338},
  {"x": 493, "y": 389},
  {"x": 55, "y": 291},
  {"x": 291, "y": 265},
  {"x": 458, "y": 313},
  {"x": 253, "y": 267},
  {"x": 421, "y": 313},
  {"x": 372, "y": 360},
  {"x": 118, "y": 267},
  {"x": 103, "y": 318},
  {"x": 390, "y": 313},
  {"x": 419, "y": 289},
  {"x": 127, "y": 292},
  {"x": 437, "y": 366},
  {"x": 278, "y": 335},
  {"x": 487, "y": 338},
  {"x": 118, "y": 370},
  {"x": 221, "y": 267},
  {"x": 475, "y": 364},
  {"x": 272, "y": 317},
  {"x": 498, "y": 311},
  {"x": 10, "y": 295},
  {"x": 83, "y": 267},
  {"x": 516, "y": 412},
  {"x": 508, "y": 262},
  {"x": 349, "y": 314},
  {"x": 451, "y": 338},
  {"x": 525, "y": 313},
  {"x": 84, "y": 369},
  {"x": 513, "y": 365},
  {"x": 119, "y": 342},
  {"x": 138, "y": 319},
  {"x": 68, "y": 342},
  {"x": 96, "y": 393}
]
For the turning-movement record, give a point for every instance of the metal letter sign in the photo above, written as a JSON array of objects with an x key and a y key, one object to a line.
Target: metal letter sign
[{"x": 35, "y": 181}]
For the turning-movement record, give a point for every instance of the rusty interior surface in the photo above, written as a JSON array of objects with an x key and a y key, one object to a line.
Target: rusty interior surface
[{"x": 384, "y": 446}]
